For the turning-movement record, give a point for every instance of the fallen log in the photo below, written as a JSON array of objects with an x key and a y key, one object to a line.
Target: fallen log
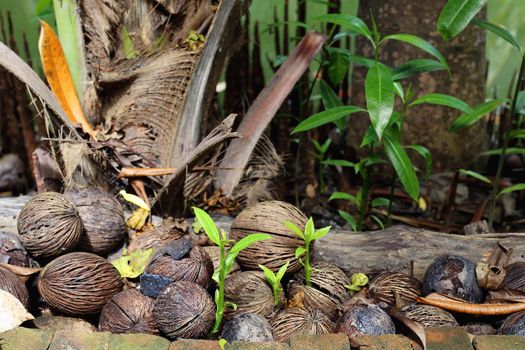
[{"x": 396, "y": 247}]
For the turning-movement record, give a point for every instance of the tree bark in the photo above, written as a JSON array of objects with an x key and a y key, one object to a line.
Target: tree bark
[{"x": 427, "y": 124}]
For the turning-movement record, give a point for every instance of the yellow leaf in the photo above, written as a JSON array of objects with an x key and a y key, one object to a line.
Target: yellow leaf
[
  {"x": 59, "y": 77},
  {"x": 137, "y": 220},
  {"x": 422, "y": 204},
  {"x": 139, "y": 202},
  {"x": 133, "y": 265}
]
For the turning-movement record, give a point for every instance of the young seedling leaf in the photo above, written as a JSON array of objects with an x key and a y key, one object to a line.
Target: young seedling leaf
[
  {"x": 369, "y": 137},
  {"x": 380, "y": 202},
  {"x": 378, "y": 221},
  {"x": 476, "y": 114},
  {"x": 231, "y": 305},
  {"x": 403, "y": 166},
  {"x": 419, "y": 43},
  {"x": 398, "y": 90},
  {"x": 321, "y": 233},
  {"x": 517, "y": 134},
  {"x": 208, "y": 225},
  {"x": 414, "y": 67},
  {"x": 475, "y": 175},
  {"x": 309, "y": 230},
  {"x": 132, "y": 265},
  {"x": 331, "y": 100},
  {"x": 299, "y": 252},
  {"x": 133, "y": 199},
  {"x": 325, "y": 117},
  {"x": 379, "y": 91},
  {"x": 443, "y": 100},
  {"x": 499, "y": 151},
  {"x": 349, "y": 219},
  {"x": 325, "y": 146},
  {"x": 353, "y": 23},
  {"x": 514, "y": 188},
  {"x": 270, "y": 276},
  {"x": 342, "y": 195},
  {"x": 282, "y": 271},
  {"x": 427, "y": 156},
  {"x": 361, "y": 61},
  {"x": 222, "y": 343},
  {"x": 247, "y": 241},
  {"x": 456, "y": 15},
  {"x": 338, "y": 162},
  {"x": 294, "y": 229},
  {"x": 338, "y": 63},
  {"x": 499, "y": 31}
]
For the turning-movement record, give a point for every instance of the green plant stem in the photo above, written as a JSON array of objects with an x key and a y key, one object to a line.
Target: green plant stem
[
  {"x": 307, "y": 268},
  {"x": 276, "y": 295},
  {"x": 220, "y": 301},
  {"x": 364, "y": 199},
  {"x": 506, "y": 141}
]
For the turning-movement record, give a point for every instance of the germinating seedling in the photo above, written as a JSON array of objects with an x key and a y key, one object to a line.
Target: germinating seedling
[
  {"x": 275, "y": 280},
  {"x": 357, "y": 282},
  {"x": 226, "y": 259},
  {"x": 308, "y": 236}
]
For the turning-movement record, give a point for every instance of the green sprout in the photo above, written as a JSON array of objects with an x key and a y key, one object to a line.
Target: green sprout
[
  {"x": 358, "y": 281},
  {"x": 226, "y": 259},
  {"x": 275, "y": 280},
  {"x": 308, "y": 236}
]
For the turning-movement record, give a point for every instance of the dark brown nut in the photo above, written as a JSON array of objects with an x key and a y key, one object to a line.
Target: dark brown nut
[
  {"x": 10, "y": 282},
  {"x": 365, "y": 319}
]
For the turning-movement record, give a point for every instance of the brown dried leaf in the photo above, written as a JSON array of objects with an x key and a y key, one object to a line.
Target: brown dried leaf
[{"x": 22, "y": 272}]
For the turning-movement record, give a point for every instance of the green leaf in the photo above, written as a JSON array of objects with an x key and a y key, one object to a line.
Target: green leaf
[
  {"x": 499, "y": 31},
  {"x": 325, "y": 117},
  {"x": 127, "y": 43},
  {"x": 338, "y": 162},
  {"x": 325, "y": 146},
  {"x": 378, "y": 221},
  {"x": 299, "y": 252},
  {"x": 456, "y": 15},
  {"x": 427, "y": 156},
  {"x": 369, "y": 137},
  {"x": 270, "y": 276},
  {"x": 338, "y": 63},
  {"x": 379, "y": 91},
  {"x": 414, "y": 67},
  {"x": 476, "y": 114},
  {"x": 349, "y": 219},
  {"x": 380, "y": 202},
  {"x": 279, "y": 60},
  {"x": 309, "y": 229},
  {"x": 353, "y": 23},
  {"x": 419, "y": 43},
  {"x": 517, "y": 134},
  {"x": 321, "y": 233},
  {"x": 342, "y": 195},
  {"x": 403, "y": 166},
  {"x": 132, "y": 265},
  {"x": 442, "y": 100},
  {"x": 398, "y": 89},
  {"x": 518, "y": 187},
  {"x": 361, "y": 61},
  {"x": 294, "y": 229},
  {"x": 281, "y": 272},
  {"x": 230, "y": 305},
  {"x": 208, "y": 225},
  {"x": 247, "y": 241},
  {"x": 498, "y": 151},
  {"x": 222, "y": 343},
  {"x": 331, "y": 100},
  {"x": 475, "y": 175}
]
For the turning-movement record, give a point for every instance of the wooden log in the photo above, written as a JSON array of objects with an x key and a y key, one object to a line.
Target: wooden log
[
  {"x": 9, "y": 209},
  {"x": 394, "y": 248}
]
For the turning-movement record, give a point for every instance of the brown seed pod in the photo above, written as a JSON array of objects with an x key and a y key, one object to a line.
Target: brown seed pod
[
  {"x": 429, "y": 316},
  {"x": 514, "y": 277},
  {"x": 128, "y": 312},
  {"x": 184, "y": 310},
  {"x": 328, "y": 289},
  {"x": 269, "y": 217},
  {"x": 180, "y": 262},
  {"x": 10, "y": 282},
  {"x": 514, "y": 324},
  {"x": 298, "y": 320},
  {"x": 49, "y": 225},
  {"x": 215, "y": 255},
  {"x": 79, "y": 283},
  {"x": 102, "y": 217},
  {"x": 154, "y": 238},
  {"x": 365, "y": 319},
  {"x": 250, "y": 292},
  {"x": 385, "y": 286}
]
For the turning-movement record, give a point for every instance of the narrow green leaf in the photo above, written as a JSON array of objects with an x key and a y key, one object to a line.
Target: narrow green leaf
[
  {"x": 309, "y": 229},
  {"x": 281, "y": 272},
  {"x": 380, "y": 202},
  {"x": 419, "y": 43},
  {"x": 514, "y": 188},
  {"x": 378, "y": 221},
  {"x": 270, "y": 276},
  {"x": 321, "y": 233},
  {"x": 325, "y": 146},
  {"x": 369, "y": 137},
  {"x": 456, "y": 15},
  {"x": 247, "y": 241},
  {"x": 414, "y": 67},
  {"x": 476, "y": 114},
  {"x": 338, "y": 162},
  {"x": 498, "y": 151},
  {"x": 208, "y": 225},
  {"x": 230, "y": 305},
  {"x": 325, "y": 117},
  {"x": 349, "y": 219},
  {"x": 331, "y": 100},
  {"x": 398, "y": 89},
  {"x": 379, "y": 91},
  {"x": 361, "y": 61},
  {"x": 351, "y": 22},
  {"x": 342, "y": 195},
  {"x": 499, "y": 31},
  {"x": 427, "y": 156},
  {"x": 475, "y": 175},
  {"x": 338, "y": 63},
  {"x": 517, "y": 134},
  {"x": 299, "y": 252},
  {"x": 403, "y": 166},
  {"x": 294, "y": 229},
  {"x": 443, "y": 100}
]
